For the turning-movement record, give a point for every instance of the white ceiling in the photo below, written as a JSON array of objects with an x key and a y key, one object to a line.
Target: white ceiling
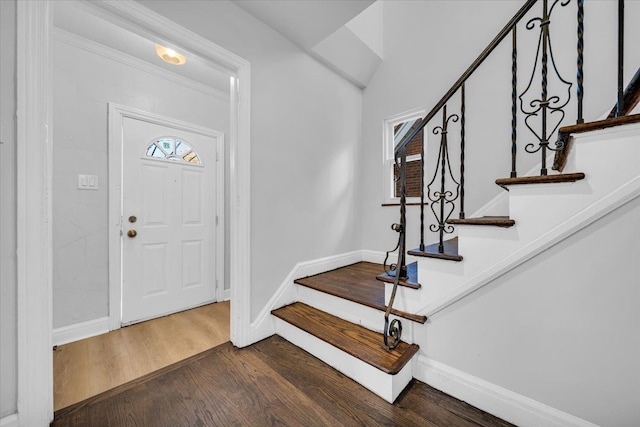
[
  {"x": 345, "y": 35},
  {"x": 308, "y": 22},
  {"x": 89, "y": 22}
]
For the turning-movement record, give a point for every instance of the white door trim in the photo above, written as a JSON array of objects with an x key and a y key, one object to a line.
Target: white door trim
[
  {"x": 33, "y": 204},
  {"x": 33, "y": 173},
  {"x": 157, "y": 26},
  {"x": 115, "y": 149}
]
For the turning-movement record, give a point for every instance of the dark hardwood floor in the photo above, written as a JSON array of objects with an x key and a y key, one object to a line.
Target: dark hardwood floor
[{"x": 269, "y": 383}]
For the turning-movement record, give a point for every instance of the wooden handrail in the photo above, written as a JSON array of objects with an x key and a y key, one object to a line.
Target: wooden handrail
[{"x": 479, "y": 60}]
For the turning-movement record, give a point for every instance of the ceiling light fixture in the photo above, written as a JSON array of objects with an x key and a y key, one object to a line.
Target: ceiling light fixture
[{"x": 170, "y": 55}]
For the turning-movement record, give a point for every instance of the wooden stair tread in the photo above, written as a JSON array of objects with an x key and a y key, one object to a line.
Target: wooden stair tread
[
  {"x": 601, "y": 124},
  {"x": 541, "y": 179},
  {"x": 353, "y": 339},
  {"x": 450, "y": 251},
  {"x": 498, "y": 221},
  {"x": 410, "y": 282},
  {"x": 565, "y": 132},
  {"x": 356, "y": 283}
]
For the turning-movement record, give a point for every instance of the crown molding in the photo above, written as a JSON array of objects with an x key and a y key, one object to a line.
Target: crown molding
[{"x": 75, "y": 40}]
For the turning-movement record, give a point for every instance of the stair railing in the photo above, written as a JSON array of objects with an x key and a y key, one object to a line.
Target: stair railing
[{"x": 543, "y": 113}]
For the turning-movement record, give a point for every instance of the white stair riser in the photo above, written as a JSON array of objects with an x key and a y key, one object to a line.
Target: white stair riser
[
  {"x": 384, "y": 385},
  {"x": 359, "y": 314},
  {"x": 434, "y": 285}
]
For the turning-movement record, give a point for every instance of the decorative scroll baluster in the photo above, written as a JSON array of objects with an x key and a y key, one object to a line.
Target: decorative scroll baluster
[
  {"x": 462, "y": 143},
  {"x": 620, "y": 103},
  {"x": 393, "y": 330},
  {"x": 443, "y": 196},
  {"x": 514, "y": 101},
  {"x": 546, "y": 105},
  {"x": 580, "y": 48}
]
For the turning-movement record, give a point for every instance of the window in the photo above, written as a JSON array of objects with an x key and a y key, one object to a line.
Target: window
[
  {"x": 395, "y": 129},
  {"x": 170, "y": 148}
]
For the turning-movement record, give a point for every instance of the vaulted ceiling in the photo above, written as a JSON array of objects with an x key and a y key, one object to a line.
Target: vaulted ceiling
[{"x": 345, "y": 35}]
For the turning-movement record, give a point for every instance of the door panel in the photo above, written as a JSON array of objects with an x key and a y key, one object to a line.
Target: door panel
[
  {"x": 192, "y": 198},
  {"x": 169, "y": 263}
]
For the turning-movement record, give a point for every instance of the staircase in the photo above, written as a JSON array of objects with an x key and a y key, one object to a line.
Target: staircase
[
  {"x": 337, "y": 318},
  {"x": 346, "y": 316}
]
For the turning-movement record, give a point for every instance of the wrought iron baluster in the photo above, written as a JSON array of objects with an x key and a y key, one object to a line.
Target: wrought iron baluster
[
  {"x": 580, "y": 48},
  {"x": 514, "y": 101},
  {"x": 620, "y": 103},
  {"x": 545, "y": 106},
  {"x": 422, "y": 246},
  {"x": 545, "y": 102},
  {"x": 462, "y": 144},
  {"x": 443, "y": 147},
  {"x": 393, "y": 329},
  {"x": 443, "y": 197}
]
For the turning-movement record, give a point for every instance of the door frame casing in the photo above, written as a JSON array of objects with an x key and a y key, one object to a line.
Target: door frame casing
[
  {"x": 33, "y": 207},
  {"x": 117, "y": 113},
  {"x": 150, "y": 23},
  {"x": 34, "y": 251}
]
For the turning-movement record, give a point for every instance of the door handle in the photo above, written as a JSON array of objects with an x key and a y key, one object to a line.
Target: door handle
[{"x": 132, "y": 233}]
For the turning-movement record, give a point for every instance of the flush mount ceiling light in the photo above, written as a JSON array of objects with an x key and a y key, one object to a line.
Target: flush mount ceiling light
[{"x": 170, "y": 55}]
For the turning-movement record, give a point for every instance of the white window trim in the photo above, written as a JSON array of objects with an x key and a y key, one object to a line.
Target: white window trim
[{"x": 388, "y": 153}]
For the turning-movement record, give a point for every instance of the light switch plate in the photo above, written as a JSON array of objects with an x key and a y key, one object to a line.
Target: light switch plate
[{"x": 87, "y": 182}]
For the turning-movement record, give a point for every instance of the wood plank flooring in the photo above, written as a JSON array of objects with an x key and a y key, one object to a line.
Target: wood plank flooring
[
  {"x": 269, "y": 383},
  {"x": 91, "y": 366}
]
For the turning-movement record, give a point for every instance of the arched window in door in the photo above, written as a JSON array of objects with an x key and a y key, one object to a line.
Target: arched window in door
[{"x": 171, "y": 148}]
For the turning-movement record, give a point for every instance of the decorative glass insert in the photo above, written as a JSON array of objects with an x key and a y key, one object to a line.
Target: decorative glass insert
[{"x": 175, "y": 149}]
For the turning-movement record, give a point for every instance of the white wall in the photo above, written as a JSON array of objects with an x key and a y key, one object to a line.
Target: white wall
[
  {"x": 84, "y": 82},
  {"x": 305, "y": 135},
  {"x": 561, "y": 329},
  {"x": 428, "y": 44},
  {"x": 8, "y": 338}
]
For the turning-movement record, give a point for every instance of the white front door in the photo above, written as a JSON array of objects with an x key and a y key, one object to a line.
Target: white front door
[{"x": 169, "y": 220}]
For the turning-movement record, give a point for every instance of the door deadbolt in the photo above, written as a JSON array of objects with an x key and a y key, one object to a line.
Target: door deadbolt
[
  {"x": 132, "y": 233},
  {"x": 132, "y": 219}
]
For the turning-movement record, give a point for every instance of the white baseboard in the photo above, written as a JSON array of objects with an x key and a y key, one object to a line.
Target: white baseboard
[
  {"x": 378, "y": 256},
  {"x": 263, "y": 326},
  {"x": 80, "y": 331},
  {"x": 508, "y": 405},
  {"x": 227, "y": 295},
  {"x": 9, "y": 421}
]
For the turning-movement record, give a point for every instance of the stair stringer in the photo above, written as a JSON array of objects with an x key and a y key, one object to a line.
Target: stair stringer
[
  {"x": 545, "y": 214},
  {"x": 264, "y": 325},
  {"x": 290, "y": 292}
]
